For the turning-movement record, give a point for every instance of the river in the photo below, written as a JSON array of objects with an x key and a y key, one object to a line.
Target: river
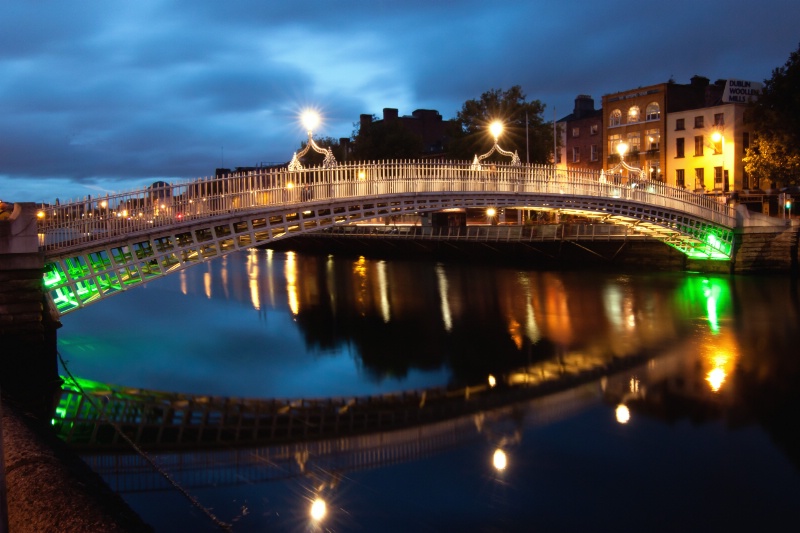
[{"x": 700, "y": 437}]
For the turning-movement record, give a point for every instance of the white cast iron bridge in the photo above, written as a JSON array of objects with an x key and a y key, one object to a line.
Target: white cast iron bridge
[{"x": 100, "y": 246}]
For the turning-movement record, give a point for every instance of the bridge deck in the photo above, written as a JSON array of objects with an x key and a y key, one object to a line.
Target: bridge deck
[{"x": 99, "y": 247}]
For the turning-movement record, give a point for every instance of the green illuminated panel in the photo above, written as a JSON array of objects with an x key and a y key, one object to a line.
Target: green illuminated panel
[
  {"x": 63, "y": 299},
  {"x": 76, "y": 267},
  {"x": 109, "y": 282},
  {"x": 53, "y": 275},
  {"x": 87, "y": 290},
  {"x": 99, "y": 261}
]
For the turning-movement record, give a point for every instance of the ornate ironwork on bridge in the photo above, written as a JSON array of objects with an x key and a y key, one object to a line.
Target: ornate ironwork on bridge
[{"x": 98, "y": 247}]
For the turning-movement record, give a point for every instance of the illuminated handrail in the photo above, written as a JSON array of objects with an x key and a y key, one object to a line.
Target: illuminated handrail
[{"x": 62, "y": 225}]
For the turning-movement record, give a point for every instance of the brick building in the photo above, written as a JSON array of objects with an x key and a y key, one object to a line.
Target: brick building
[{"x": 581, "y": 136}]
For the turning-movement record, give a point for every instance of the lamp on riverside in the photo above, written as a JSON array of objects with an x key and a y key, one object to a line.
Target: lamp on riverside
[
  {"x": 496, "y": 128},
  {"x": 311, "y": 120}
]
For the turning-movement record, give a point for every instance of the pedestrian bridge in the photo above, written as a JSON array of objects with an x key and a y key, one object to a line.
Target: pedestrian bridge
[{"x": 97, "y": 247}]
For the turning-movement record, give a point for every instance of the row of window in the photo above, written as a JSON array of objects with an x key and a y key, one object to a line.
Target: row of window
[
  {"x": 594, "y": 129},
  {"x": 633, "y": 139},
  {"x": 699, "y": 121},
  {"x": 594, "y": 153},
  {"x": 699, "y": 144},
  {"x": 720, "y": 178},
  {"x": 651, "y": 112}
]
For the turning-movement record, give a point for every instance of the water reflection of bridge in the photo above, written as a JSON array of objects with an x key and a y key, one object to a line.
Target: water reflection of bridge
[{"x": 215, "y": 440}]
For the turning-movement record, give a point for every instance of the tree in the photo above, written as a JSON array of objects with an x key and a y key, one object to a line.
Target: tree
[
  {"x": 384, "y": 140},
  {"x": 774, "y": 155},
  {"x": 524, "y": 129}
]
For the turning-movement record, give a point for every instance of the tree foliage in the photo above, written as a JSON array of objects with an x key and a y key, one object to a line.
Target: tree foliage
[
  {"x": 524, "y": 129},
  {"x": 385, "y": 140},
  {"x": 774, "y": 155}
]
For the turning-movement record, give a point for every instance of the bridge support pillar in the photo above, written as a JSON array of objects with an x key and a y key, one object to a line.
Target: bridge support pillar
[{"x": 28, "y": 362}]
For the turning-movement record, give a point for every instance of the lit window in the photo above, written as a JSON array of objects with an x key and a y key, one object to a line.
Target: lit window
[
  {"x": 653, "y": 139},
  {"x": 652, "y": 111},
  {"x": 613, "y": 141},
  {"x": 634, "y": 142},
  {"x": 576, "y": 132},
  {"x": 633, "y": 114},
  {"x": 616, "y": 118},
  {"x": 655, "y": 170},
  {"x": 576, "y": 154}
]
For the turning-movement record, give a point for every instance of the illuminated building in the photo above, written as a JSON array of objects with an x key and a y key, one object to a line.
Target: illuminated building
[
  {"x": 706, "y": 148},
  {"x": 687, "y": 135}
]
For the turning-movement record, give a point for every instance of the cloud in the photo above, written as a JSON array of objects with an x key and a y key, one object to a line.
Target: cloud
[{"x": 117, "y": 95}]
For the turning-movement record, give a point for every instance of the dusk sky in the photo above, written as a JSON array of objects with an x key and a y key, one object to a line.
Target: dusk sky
[{"x": 108, "y": 96}]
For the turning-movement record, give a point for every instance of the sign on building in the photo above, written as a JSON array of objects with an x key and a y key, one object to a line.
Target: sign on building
[{"x": 740, "y": 91}]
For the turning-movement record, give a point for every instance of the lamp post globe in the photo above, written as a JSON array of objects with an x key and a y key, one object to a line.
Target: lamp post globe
[{"x": 496, "y": 128}]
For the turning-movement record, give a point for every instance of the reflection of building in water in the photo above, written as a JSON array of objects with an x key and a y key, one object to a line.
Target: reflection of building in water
[{"x": 373, "y": 305}]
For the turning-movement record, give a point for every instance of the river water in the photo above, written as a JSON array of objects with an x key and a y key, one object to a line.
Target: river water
[{"x": 700, "y": 437}]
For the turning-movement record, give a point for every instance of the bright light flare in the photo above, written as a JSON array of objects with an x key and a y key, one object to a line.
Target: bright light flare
[
  {"x": 318, "y": 510},
  {"x": 499, "y": 460},
  {"x": 622, "y": 148},
  {"x": 716, "y": 136},
  {"x": 496, "y": 128},
  {"x": 310, "y": 119},
  {"x": 491, "y": 212},
  {"x": 623, "y": 414}
]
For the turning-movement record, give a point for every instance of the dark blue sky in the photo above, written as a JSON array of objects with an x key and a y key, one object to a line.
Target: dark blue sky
[{"x": 100, "y": 96}]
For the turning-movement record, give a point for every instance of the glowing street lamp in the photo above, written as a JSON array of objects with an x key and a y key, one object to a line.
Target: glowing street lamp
[
  {"x": 496, "y": 128},
  {"x": 310, "y": 120},
  {"x": 622, "y": 149}
]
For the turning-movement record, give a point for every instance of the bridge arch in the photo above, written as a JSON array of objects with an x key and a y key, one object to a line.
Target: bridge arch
[{"x": 100, "y": 247}]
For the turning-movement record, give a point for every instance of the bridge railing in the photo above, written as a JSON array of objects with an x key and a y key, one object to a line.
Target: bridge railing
[{"x": 162, "y": 204}]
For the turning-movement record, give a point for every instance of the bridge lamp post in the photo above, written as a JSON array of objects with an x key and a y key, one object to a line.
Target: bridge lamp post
[
  {"x": 310, "y": 120},
  {"x": 496, "y": 129}
]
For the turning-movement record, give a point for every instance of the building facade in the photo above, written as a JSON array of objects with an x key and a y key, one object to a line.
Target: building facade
[
  {"x": 706, "y": 148},
  {"x": 581, "y": 136},
  {"x": 636, "y": 119}
]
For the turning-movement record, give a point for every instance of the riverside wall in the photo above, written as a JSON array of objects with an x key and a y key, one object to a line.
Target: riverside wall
[{"x": 44, "y": 485}]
